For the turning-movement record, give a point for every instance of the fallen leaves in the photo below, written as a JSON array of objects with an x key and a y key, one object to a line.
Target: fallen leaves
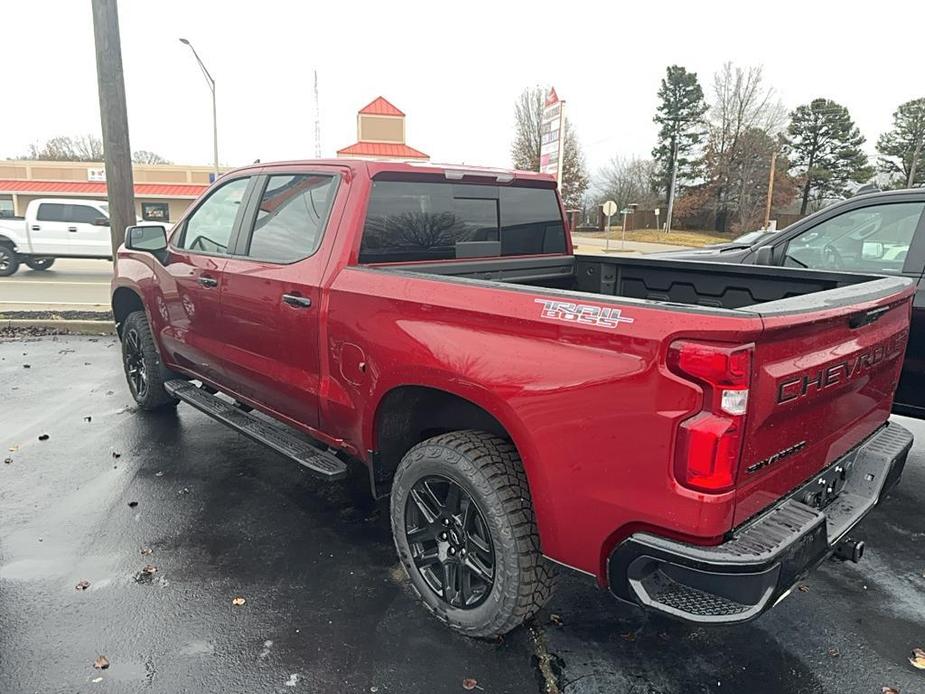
[
  {"x": 132, "y": 504},
  {"x": 44, "y": 437},
  {"x": 834, "y": 653},
  {"x": 238, "y": 601},
  {"x": 149, "y": 569},
  {"x": 470, "y": 683},
  {"x": 918, "y": 658},
  {"x": 888, "y": 690},
  {"x": 803, "y": 588},
  {"x": 145, "y": 551},
  {"x": 88, "y": 418},
  {"x": 8, "y": 461},
  {"x": 101, "y": 663},
  {"x": 83, "y": 585}
]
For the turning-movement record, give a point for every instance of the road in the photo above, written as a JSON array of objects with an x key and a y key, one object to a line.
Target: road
[
  {"x": 327, "y": 606},
  {"x": 81, "y": 285}
]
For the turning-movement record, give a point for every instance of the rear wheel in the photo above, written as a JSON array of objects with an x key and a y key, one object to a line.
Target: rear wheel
[
  {"x": 40, "y": 263},
  {"x": 9, "y": 260},
  {"x": 466, "y": 534},
  {"x": 144, "y": 370}
]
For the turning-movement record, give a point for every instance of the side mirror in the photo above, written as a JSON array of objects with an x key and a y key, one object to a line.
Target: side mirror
[
  {"x": 764, "y": 255},
  {"x": 151, "y": 238},
  {"x": 101, "y": 222}
]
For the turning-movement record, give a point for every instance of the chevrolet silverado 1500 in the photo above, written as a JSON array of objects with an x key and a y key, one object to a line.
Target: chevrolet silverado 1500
[{"x": 695, "y": 436}]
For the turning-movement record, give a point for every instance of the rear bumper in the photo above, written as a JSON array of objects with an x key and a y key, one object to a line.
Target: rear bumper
[{"x": 741, "y": 578}]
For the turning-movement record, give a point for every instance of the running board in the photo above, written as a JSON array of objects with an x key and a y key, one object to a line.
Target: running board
[{"x": 321, "y": 462}]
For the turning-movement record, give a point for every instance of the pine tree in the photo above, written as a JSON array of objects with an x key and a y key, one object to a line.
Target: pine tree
[
  {"x": 824, "y": 147},
  {"x": 680, "y": 117},
  {"x": 525, "y": 150},
  {"x": 903, "y": 147}
]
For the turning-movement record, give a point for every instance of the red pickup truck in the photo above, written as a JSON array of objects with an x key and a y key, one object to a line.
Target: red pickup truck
[{"x": 695, "y": 436}]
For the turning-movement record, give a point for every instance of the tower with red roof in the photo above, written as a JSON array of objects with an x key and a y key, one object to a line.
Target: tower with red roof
[{"x": 381, "y": 134}]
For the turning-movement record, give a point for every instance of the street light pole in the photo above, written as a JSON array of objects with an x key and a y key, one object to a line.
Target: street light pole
[{"x": 211, "y": 83}]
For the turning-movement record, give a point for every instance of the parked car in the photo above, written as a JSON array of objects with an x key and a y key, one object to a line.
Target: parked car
[
  {"x": 877, "y": 233},
  {"x": 55, "y": 228},
  {"x": 696, "y": 437}
]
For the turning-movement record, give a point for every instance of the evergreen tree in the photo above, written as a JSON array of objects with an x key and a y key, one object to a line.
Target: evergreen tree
[
  {"x": 525, "y": 150},
  {"x": 902, "y": 149},
  {"x": 680, "y": 117},
  {"x": 824, "y": 147}
]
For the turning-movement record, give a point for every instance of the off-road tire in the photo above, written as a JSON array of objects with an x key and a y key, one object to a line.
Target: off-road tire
[
  {"x": 9, "y": 260},
  {"x": 489, "y": 469},
  {"x": 40, "y": 264},
  {"x": 153, "y": 396}
]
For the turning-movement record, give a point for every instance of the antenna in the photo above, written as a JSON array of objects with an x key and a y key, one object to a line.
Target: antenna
[{"x": 317, "y": 121}]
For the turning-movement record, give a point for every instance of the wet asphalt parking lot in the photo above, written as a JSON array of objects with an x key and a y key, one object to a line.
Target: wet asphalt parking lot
[{"x": 327, "y": 608}]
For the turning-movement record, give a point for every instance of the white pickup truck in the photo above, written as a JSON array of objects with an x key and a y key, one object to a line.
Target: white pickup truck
[{"x": 55, "y": 228}]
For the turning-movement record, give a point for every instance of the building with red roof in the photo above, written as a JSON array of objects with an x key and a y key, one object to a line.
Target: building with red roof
[{"x": 381, "y": 134}]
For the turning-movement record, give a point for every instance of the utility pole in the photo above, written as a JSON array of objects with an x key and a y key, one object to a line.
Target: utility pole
[
  {"x": 767, "y": 209},
  {"x": 117, "y": 154},
  {"x": 674, "y": 180},
  {"x": 916, "y": 153},
  {"x": 317, "y": 121},
  {"x": 211, "y": 82}
]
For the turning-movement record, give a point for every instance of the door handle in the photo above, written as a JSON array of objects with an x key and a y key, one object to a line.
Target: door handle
[
  {"x": 297, "y": 301},
  {"x": 72, "y": 228},
  {"x": 36, "y": 227},
  {"x": 208, "y": 281}
]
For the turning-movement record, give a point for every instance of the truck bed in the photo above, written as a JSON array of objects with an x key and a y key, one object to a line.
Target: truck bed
[{"x": 716, "y": 285}]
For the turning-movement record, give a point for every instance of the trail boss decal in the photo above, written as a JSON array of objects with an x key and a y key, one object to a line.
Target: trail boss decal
[{"x": 582, "y": 313}]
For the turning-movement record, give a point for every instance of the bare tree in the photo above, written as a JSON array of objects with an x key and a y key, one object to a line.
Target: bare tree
[
  {"x": 741, "y": 103},
  {"x": 65, "y": 148},
  {"x": 627, "y": 180},
  {"x": 525, "y": 150},
  {"x": 145, "y": 156}
]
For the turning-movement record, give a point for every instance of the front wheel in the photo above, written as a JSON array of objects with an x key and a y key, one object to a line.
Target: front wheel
[
  {"x": 465, "y": 531},
  {"x": 40, "y": 263},
  {"x": 144, "y": 370},
  {"x": 9, "y": 260}
]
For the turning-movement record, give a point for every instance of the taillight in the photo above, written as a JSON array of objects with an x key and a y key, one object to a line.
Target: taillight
[{"x": 710, "y": 443}]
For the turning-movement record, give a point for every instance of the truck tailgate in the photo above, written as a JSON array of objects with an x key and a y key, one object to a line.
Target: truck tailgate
[{"x": 823, "y": 380}]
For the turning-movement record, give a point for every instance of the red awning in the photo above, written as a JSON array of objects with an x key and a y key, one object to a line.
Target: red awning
[
  {"x": 163, "y": 190},
  {"x": 383, "y": 149}
]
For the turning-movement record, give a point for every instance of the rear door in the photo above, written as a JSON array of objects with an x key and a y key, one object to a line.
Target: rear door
[
  {"x": 191, "y": 280},
  {"x": 87, "y": 231},
  {"x": 272, "y": 301},
  {"x": 822, "y": 381}
]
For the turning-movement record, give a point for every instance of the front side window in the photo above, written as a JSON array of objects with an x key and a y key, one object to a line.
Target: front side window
[
  {"x": 291, "y": 217},
  {"x": 409, "y": 221},
  {"x": 209, "y": 228},
  {"x": 870, "y": 239},
  {"x": 83, "y": 214}
]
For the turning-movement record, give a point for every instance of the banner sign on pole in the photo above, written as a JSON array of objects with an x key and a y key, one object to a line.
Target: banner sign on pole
[{"x": 552, "y": 131}]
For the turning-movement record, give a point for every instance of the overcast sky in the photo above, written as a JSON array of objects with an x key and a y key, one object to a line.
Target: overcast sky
[{"x": 454, "y": 68}]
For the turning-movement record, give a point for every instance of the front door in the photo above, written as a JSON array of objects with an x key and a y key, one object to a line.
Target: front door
[
  {"x": 191, "y": 281},
  {"x": 271, "y": 298}
]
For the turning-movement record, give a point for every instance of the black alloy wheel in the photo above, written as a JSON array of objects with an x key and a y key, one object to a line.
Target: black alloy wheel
[
  {"x": 9, "y": 260},
  {"x": 135, "y": 368},
  {"x": 450, "y": 542}
]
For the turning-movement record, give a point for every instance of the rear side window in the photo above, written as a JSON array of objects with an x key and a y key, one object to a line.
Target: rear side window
[
  {"x": 291, "y": 217},
  {"x": 408, "y": 221},
  {"x": 51, "y": 212}
]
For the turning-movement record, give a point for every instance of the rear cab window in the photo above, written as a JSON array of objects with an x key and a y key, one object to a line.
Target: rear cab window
[{"x": 409, "y": 221}]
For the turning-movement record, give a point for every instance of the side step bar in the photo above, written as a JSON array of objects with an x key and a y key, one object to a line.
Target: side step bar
[{"x": 321, "y": 462}]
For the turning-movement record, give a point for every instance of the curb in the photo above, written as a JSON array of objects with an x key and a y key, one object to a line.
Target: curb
[{"x": 76, "y": 327}]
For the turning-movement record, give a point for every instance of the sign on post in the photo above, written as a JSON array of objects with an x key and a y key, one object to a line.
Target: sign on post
[
  {"x": 551, "y": 131},
  {"x": 609, "y": 209}
]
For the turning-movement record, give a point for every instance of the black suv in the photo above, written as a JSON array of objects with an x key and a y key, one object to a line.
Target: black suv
[{"x": 877, "y": 233}]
